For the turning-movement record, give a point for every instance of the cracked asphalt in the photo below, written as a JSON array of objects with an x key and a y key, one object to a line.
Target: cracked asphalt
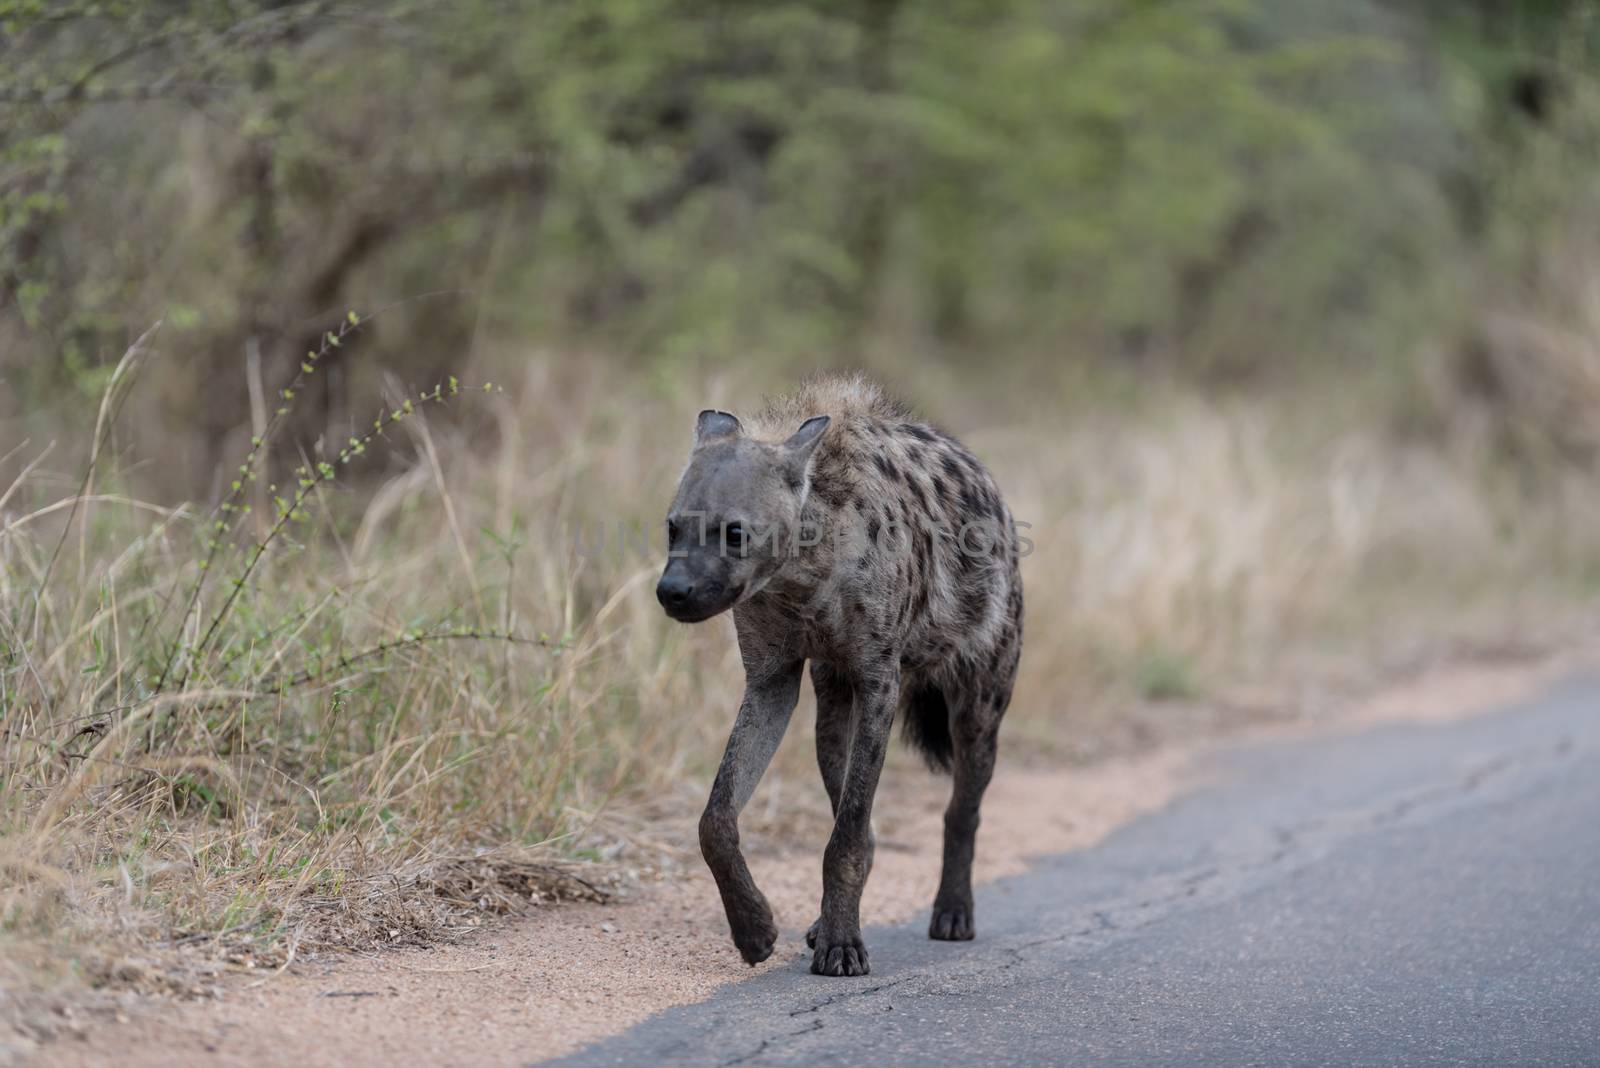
[{"x": 1402, "y": 896}]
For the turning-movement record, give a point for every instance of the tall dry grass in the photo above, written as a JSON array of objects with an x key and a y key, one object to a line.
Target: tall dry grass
[
  {"x": 407, "y": 678},
  {"x": 1218, "y": 550},
  {"x": 432, "y": 683}
]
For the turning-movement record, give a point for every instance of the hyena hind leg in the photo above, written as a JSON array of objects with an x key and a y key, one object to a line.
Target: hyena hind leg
[{"x": 974, "y": 731}]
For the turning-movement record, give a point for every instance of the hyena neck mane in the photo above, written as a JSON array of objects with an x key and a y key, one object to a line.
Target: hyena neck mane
[
  {"x": 861, "y": 415},
  {"x": 852, "y": 401}
]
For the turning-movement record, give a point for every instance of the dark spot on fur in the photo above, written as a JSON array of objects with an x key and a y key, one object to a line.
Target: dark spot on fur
[
  {"x": 829, "y": 494},
  {"x": 916, "y": 491},
  {"x": 974, "y": 607},
  {"x": 886, "y": 465}
]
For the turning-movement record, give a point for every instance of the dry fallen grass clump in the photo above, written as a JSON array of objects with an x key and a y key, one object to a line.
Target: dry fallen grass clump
[{"x": 357, "y": 718}]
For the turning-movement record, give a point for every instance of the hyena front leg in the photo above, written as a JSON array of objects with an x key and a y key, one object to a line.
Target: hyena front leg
[
  {"x": 835, "y": 705},
  {"x": 769, "y": 701},
  {"x": 848, "y": 858}
]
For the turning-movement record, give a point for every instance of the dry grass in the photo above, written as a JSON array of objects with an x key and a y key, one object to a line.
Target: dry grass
[
  {"x": 330, "y": 810},
  {"x": 397, "y": 797}
]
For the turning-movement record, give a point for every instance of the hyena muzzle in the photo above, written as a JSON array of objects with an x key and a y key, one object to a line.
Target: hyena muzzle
[{"x": 842, "y": 531}]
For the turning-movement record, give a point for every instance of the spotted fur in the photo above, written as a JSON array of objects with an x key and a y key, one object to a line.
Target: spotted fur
[{"x": 897, "y": 579}]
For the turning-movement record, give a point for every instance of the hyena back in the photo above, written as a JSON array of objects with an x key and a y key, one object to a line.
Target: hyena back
[{"x": 843, "y": 532}]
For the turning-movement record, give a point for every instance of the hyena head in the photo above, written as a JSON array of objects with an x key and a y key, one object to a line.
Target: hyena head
[{"x": 736, "y": 513}]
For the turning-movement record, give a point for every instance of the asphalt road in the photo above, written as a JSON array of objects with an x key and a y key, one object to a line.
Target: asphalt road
[{"x": 1404, "y": 896}]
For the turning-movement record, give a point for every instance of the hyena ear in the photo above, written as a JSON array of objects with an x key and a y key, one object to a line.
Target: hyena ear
[
  {"x": 804, "y": 440},
  {"x": 713, "y": 424}
]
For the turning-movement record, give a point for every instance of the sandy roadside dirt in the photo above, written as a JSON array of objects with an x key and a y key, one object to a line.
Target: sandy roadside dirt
[{"x": 545, "y": 984}]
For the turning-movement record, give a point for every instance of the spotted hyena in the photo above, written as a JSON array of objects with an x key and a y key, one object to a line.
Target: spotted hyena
[{"x": 842, "y": 531}]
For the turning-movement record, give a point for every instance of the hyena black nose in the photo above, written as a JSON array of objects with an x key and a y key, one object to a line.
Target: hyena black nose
[{"x": 674, "y": 591}]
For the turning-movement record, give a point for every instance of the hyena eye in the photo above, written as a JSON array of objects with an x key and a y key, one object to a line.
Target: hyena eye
[
  {"x": 733, "y": 537},
  {"x": 673, "y": 530}
]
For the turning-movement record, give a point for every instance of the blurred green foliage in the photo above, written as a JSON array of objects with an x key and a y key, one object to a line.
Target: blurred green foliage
[{"x": 1222, "y": 187}]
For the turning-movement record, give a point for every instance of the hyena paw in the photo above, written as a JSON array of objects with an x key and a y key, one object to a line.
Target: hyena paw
[
  {"x": 952, "y": 921},
  {"x": 837, "y": 956},
  {"x": 755, "y": 937},
  {"x": 811, "y": 933}
]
